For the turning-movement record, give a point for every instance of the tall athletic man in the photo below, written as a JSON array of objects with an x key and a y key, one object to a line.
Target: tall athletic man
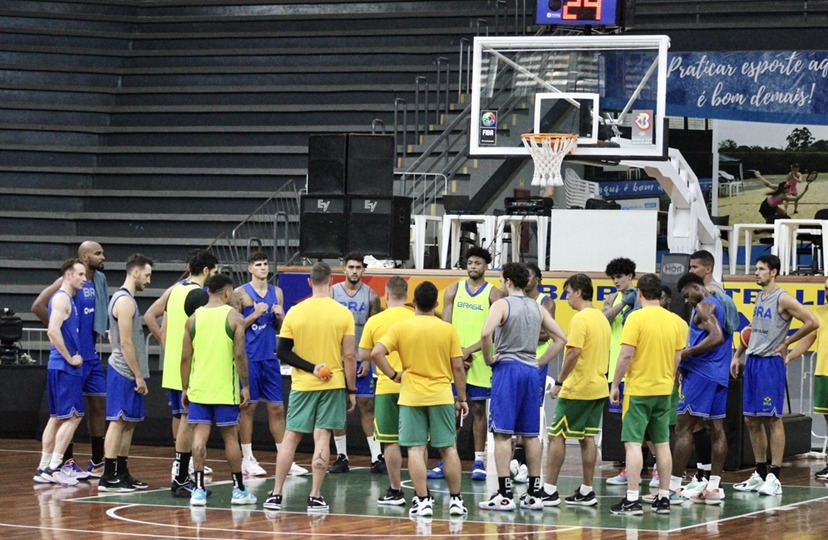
[
  {"x": 386, "y": 400},
  {"x": 92, "y": 301},
  {"x": 262, "y": 306},
  {"x": 764, "y": 373},
  {"x": 513, "y": 324},
  {"x": 125, "y": 379},
  {"x": 64, "y": 377},
  {"x": 362, "y": 301},
  {"x": 466, "y": 307},
  {"x": 317, "y": 333},
  {"x": 184, "y": 298},
  {"x": 214, "y": 383},
  {"x": 431, "y": 357},
  {"x": 651, "y": 342},
  {"x": 581, "y": 391},
  {"x": 705, "y": 370},
  {"x": 702, "y": 264}
]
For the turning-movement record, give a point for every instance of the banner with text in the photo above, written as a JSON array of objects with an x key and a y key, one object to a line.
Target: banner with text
[{"x": 789, "y": 87}]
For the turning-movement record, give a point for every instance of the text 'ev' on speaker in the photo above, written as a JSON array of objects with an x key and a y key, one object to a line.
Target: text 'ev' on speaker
[
  {"x": 323, "y": 225},
  {"x": 370, "y": 168},
  {"x": 380, "y": 226},
  {"x": 327, "y": 163}
]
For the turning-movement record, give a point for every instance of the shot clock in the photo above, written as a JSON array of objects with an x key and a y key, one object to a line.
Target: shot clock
[{"x": 577, "y": 12}]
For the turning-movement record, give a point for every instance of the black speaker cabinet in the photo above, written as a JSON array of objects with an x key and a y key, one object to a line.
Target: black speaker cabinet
[
  {"x": 380, "y": 226},
  {"x": 370, "y": 165},
  {"x": 327, "y": 163},
  {"x": 323, "y": 225},
  {"x": 673, "y": 266}
]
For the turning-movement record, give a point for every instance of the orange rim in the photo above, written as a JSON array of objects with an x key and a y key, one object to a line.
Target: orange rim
[{"x": 539, "y": 137}]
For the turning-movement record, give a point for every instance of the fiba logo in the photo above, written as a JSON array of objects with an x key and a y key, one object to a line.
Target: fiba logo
[
  {"x": 643, "y": 120},
  {"x": 488, "y": 119}
]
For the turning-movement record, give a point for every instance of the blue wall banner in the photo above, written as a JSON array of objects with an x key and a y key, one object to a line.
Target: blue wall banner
[
  {"x": 639, "y": 188},
  {"x": 788, "y": 87}
]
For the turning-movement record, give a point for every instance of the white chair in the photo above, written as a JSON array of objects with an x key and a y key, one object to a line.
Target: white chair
[{"x": 579, "y": 191}]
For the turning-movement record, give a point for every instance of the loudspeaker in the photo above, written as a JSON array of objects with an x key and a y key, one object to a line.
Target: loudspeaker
[
  {"x": 673, "y": 266},
  {"x": 327, "y": 164},
  {"x": 322, "y": 226},
  {"x": 380, "y": 226},
  {"x": 370, "y": 169}
]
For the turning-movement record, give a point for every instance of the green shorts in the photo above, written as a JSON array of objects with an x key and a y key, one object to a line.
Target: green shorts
[
  {"x": 646, "y": 415},
  {"x": 577, "y": 418},
  {"x": 674, "y": 399},
  {"x": 821, "y": 394},
  {"x": 434, "y": 422},
  {"x": 386, "y": 418},
  {"x": 323, "y": 409}
]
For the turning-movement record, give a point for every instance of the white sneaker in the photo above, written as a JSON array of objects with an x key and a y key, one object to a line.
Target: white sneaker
[
  {"x": 716, "y": 496},
  {"x": 694, "y": 488},
  {"x": 456, "y": 507},
  {"x": 654, "y": 481},
  {"x": 498, "y": 502},
  {"x": 421, "y": 507},
  {"x": 772, "y": 486},
  {"x": 751, "y": 484},
  {"x": 191, "y": 469},
  {"x": 522, "y": 476},
  {"x": 531, "y": 503},
  {"x": 618, "y": 480},
  {"x": 296, "y": 470},
  {"x": 251, "y": 467},
  {"x": 242, "y": 497}
]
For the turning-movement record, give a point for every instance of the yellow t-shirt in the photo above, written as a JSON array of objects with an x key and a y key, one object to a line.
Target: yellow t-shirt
[
  {"x": 589, "y": 330},
  {"x": 822, "y": 341},
  {"x": 426, "y": 346},
  {"x": 656, "y": 335},
  {"x": 375, "y": 328},
  {"x": 317, "y": 326}
]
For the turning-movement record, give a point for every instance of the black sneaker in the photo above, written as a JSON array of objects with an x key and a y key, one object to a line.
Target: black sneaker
[
  {"x": 822, "y": 475},
  {"x": 627, "y": 508},
  {"x": 661, "y": 505},
  {"x": 378, "y": 467},
  {"x": 114, "y": 484},
  {"x": 182, "y": 490},
  {"x": 549, "y": 499},
  {"x": 340, "y": 465},
  {"x": 273, "y": 502},
  {"x": 134, "y": 482},
  {"x": 582, "y": 500},
  {"x": 317, "y": 504},
  {"x": 392, "y": 497}
]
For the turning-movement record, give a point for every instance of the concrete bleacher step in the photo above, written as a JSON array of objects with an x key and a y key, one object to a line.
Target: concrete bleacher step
[{"x": 149, "y": 179}]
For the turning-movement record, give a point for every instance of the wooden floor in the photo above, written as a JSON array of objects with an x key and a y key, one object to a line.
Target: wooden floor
[{"x": 29, "y": 510}]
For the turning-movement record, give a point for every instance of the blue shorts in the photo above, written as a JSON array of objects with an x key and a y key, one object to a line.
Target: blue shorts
[
  {"x": 699, "y": 396},
  {"x": 65, "y": 392},
  {"x": 617, "y": 408},
  {"x": 222, "y": 415},
  {"x": 478, "y": 393},
  {"x": 174, "y": 399},
  {"x": 94, "y": 382},
  {"x": 514, "y": 405},
  {"x": 265, "y": 381},
  {"x": 542, "y": 374},
  {"x": 764, "y": 386},
  {"x": 365, "y": 385},
  {"x": 122, "y": 401}
]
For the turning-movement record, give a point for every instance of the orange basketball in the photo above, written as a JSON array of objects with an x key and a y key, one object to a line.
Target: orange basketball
[
  {"x": 744, "y": 335},
  {"x": 325, "y": 372}
]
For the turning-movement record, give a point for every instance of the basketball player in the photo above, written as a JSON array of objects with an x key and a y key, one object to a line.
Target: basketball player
[
  {"x": 125, "y": 379},
  {"x": 213, "y": 368},
  {"x": 184, "y": 298},
  {"x": 702, "y": 264},
  {"x": 650, "y": 344},
  {"x": 764, "y": 373},
  {"x": 64, "y": 377},
  {"x": 362, "y": 301},
  {"x": 581, "y": 391},
  {"x": 466, "y": 307},
  {"x": 92, "y": 302},
  {"x": 704, "y": 368},
  {"x": 513, "y": 324},
  {"x": 317, "y": 333},
  {"x": 386, "y": 400},
  {"x": 431, "y": 357},
  {"x": 261, "y": 305}
]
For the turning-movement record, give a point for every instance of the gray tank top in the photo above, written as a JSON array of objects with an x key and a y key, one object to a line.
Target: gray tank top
[
  {"x": 359, "y": 304},
  {"x": 769, "y": 327},
  {"x": 116, "y": 359},
  {"x": 517, "y": 337}
]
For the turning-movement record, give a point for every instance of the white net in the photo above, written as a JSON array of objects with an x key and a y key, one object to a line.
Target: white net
[{"x": 547, "y": 151}]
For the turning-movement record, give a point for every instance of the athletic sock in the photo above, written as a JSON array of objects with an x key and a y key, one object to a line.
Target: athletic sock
[
  {"x": 183, "y": 460},
  {"x": 247, "y": 451},
  {"x": 663, "y": 493},
  {"x": 199, "y": 479},
  {"x": 340, "y": 441},
  {"x": 713, "y": 484},
  {"x": 480, "y": 456},
  {"x": 45, "y": 459},
  {"x": 705, "y": 470},
  {"x": 238, "y": 480},
  {"x": 122, "y": 465},
  {"x": 534, "y": 485},
  {"x": 675, "y": 482},
  {"x": 776, "y": 471},
  {"x": 762, "y": 469},
  {"x": 56, "y": 462},
  {"x": 701, "y": 440},
  {"x": 504, "y": 486},
  {"x": 585, "y": 490},
  {"x": 520, "y": 454},
  {"x": 278, "y": 447},
  {"x": 550, "y": 488},
  {"x": 110, "y": 467},
  {"x": 374, "y": 447},
  {"x": 632, "y": 496},
  {"x": 97, "y": 449}
]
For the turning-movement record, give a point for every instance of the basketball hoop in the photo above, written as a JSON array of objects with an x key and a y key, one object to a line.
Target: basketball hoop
[{"x": 547, "y": 151}]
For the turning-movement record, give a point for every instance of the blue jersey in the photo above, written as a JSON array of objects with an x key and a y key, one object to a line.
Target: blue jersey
[
  {"x": 69, "y": 330},
  {"x": 260, "y": 337},
  {"x": 85, "y": 300},
  {"x": 713, "y": 365}
]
